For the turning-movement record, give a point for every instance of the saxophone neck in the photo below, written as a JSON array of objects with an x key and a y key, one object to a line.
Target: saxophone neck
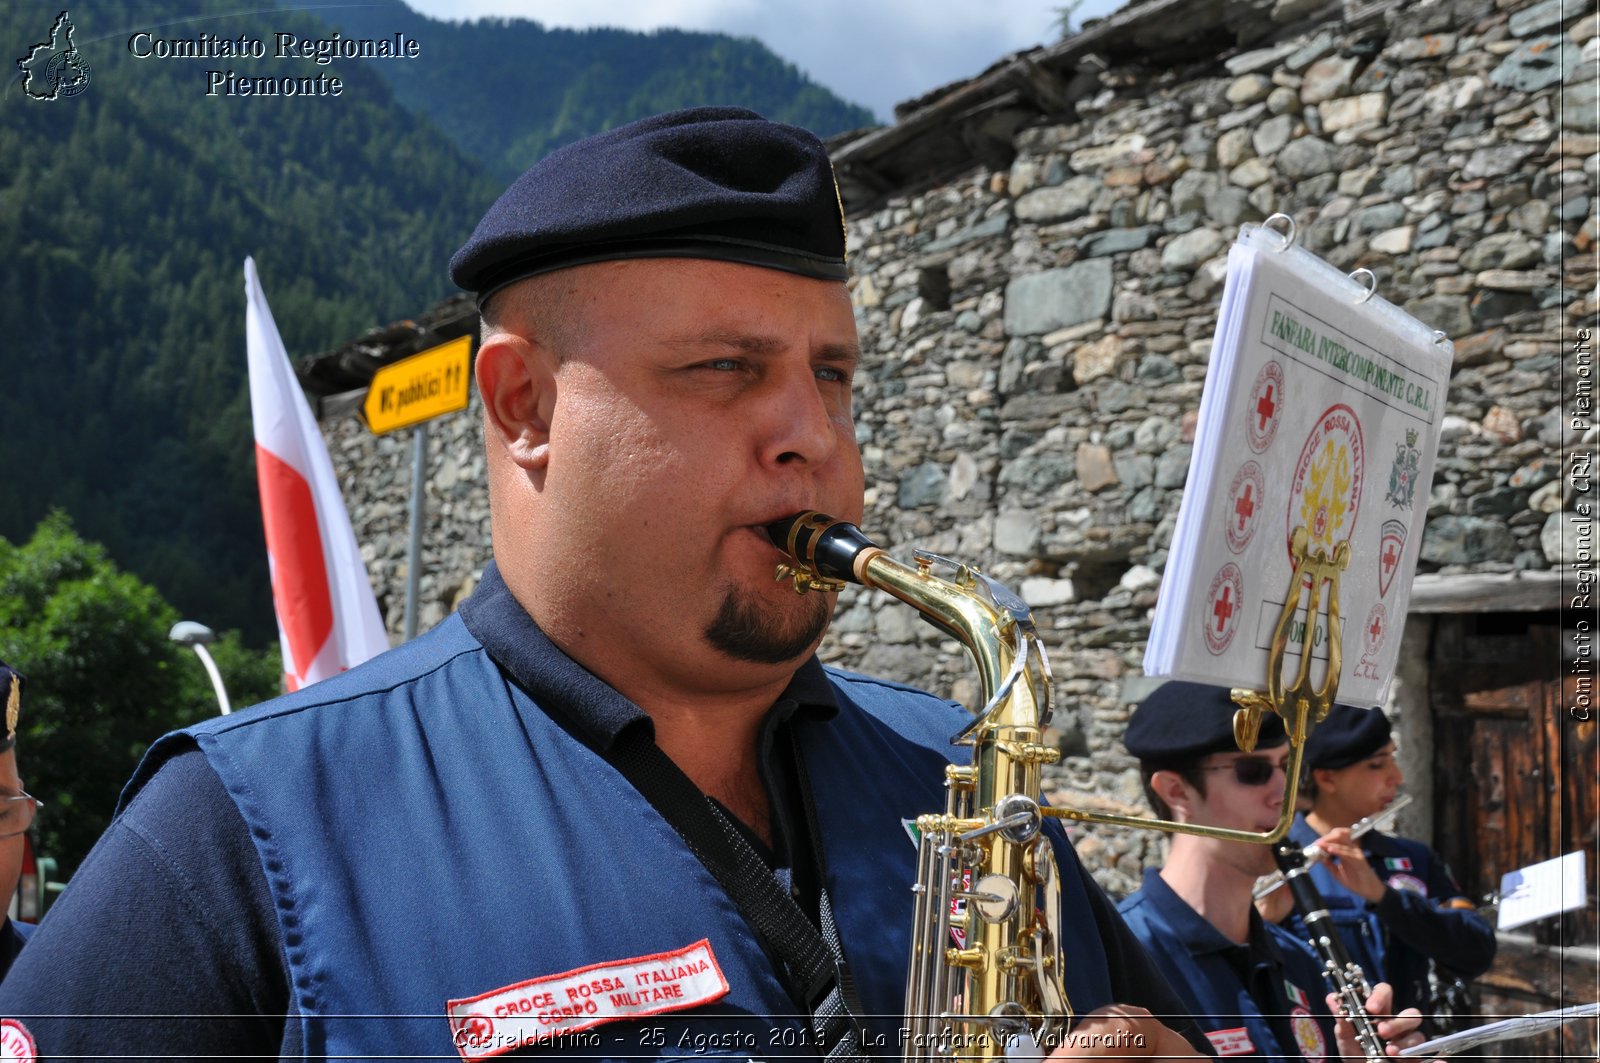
[{"x": 994, "y": 624}]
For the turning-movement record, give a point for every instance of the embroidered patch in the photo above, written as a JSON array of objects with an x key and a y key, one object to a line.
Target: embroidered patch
[
  {"x": 1397, "y": 863},
  {"x": 1409, "y": 883},
  {"x": 548, "y": 1007},
  {"x": 16, "y": 1043},
  {"x": 1308, "y": 1035},
  {"x": 1234, "y": 1042}
]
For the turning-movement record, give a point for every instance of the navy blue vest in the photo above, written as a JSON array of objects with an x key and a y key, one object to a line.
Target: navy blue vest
[{"x": 431, "y": 835}]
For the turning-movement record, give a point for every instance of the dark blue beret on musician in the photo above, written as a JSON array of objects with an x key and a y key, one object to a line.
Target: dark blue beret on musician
[
  {"x": 710, "y": 182},
  {"x": 1345, "y": 736},
  {"x": 1185, "y": 721}
]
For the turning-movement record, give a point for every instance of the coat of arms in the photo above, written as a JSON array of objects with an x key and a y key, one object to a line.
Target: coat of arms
[{"x": 1403, "y": 474}]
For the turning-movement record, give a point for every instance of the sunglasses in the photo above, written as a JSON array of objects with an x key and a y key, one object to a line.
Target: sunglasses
[{"x": 1249, "y": 771}]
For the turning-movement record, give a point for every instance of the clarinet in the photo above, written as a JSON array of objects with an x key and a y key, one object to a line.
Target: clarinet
[{"x": 1345, "y": 977}]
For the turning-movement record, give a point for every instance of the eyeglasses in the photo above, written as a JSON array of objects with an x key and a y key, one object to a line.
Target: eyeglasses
[
  {"x": 1249, "y": 771},
  {"x": 17, "y": 813}
]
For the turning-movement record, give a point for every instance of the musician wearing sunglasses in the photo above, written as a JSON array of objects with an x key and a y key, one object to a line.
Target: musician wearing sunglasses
[
  {"x": 17, "y": 810},
  {"x": 1396, "y": 904},
  {"x": 1254, "y": 988}
]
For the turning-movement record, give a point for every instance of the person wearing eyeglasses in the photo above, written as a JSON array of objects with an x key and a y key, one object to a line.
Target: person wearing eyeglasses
[
  {"x": 1395, "y": 902},
  {"x": 17, "y": 810},
  {"x": 1254, "y": 988}
]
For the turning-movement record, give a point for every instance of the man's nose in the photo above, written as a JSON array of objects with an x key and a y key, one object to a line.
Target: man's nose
[{"x": 800, "y": 426}]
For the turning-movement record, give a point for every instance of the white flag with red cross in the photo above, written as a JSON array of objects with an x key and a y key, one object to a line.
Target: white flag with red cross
[{"x": 328, "y": 618}]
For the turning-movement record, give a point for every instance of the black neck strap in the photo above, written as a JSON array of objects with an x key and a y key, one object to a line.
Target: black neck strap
[{"x": 810, "y": 962}]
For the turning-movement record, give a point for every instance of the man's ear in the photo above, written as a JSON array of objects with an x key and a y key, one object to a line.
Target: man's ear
[
  {"x": 517, "y": 382},
  {"x": 1177, "y": 793},
  {"x": 1327, "y": 780}
]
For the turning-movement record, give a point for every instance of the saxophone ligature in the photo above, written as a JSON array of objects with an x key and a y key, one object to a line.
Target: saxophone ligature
[{"x": 986, "y": 973}]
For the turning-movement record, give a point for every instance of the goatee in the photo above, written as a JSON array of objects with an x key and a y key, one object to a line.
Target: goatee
[{"x": 746, "y": 631}]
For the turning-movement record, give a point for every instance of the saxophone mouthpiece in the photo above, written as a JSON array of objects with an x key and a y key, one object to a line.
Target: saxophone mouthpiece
[{"x": 820, "y": 544}]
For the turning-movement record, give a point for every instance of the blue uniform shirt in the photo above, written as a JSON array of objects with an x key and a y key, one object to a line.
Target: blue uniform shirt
[
  {"x": 1262, "y": 998},
  {"x": 1393, "y": 939},
  {"x": 13, "y": 935},
  {"x": 431, "y": 855}
]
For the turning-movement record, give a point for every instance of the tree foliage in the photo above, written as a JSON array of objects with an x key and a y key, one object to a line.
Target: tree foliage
[
  {"x": 126, "y": 213},
  {"x": 569, "y": 83},
  {"x": 104, "y": 681}
]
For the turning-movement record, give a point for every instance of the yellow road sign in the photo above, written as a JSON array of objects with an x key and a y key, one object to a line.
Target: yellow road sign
[{"x": 419, "y": 388}]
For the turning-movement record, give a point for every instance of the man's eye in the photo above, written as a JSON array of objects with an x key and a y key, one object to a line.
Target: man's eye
[
  {"x": 723, "y": 365},
  {"x": 829, "y": 373}
]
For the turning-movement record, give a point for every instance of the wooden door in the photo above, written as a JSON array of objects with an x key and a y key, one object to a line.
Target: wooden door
[{"x": 1515, "y": 782}]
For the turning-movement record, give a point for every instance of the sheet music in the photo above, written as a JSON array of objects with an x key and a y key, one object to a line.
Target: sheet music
[
  {"x": 1321, "y": 409},
  {"x": 1505, "y": 1029}
]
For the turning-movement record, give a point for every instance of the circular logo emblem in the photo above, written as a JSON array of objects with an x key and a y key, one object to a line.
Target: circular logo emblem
[
  {"x": 16, "y": 1043},
  {"x": 1223, "y": 605},
  {"x": 1244, "y": 506},
  {"x": 67, "y": 73},
  {"x": 1325, "y": 495},
  {"x": 1266, "y": 407},
  {"x": 1409, "y": 883},
  {"x": 1376, "y": 628},
  {"x": 477, "y": 1031},
  {"x": 1307, "y": 1035}
]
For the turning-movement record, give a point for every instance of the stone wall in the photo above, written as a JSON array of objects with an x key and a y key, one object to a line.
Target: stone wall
[{"x": 1036, "y": 338}]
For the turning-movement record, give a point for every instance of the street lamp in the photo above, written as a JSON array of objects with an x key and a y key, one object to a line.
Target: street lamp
[{"x": 195, "y": 636}]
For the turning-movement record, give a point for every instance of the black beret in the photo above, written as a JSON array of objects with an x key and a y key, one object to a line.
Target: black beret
[
  {"x": 1185, "y": 721},
  {"x": 711, "y": 182},
  {"x": 1345, "y": 736}
]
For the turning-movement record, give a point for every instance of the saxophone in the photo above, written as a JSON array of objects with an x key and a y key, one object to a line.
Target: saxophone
[{"x": 985, "y": 971}]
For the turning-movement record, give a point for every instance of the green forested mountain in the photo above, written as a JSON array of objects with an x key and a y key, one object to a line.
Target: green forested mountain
[
  {"x": 126, "y": 212},
  {"x": 509, "y": 92}
]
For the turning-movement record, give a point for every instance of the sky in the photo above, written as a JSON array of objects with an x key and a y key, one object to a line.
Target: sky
[{"x": 873, "y": 52}]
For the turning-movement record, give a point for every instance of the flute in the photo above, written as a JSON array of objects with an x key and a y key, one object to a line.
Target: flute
[{"x": 1379, "y": 820}]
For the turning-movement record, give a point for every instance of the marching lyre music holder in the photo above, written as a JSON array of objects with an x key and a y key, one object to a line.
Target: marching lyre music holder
[{"x": 1302, "y": 704}]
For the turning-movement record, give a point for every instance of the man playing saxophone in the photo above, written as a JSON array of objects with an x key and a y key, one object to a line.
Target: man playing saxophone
[
  {"x": 1255, "y": 988},
  {"x": 1395, "y": 902},
  {"x": 614, "y": 807}
]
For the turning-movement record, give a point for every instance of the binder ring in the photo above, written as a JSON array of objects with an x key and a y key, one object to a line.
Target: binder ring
[
  {"x": 1284, "y": 228},
  {"x": 1368, "y": 281},
  {"x": 1439, "y": 337}
]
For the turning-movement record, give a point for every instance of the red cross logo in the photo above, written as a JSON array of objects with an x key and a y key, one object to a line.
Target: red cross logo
[
  {"x": 1266, "y": 406},
  {"x": 479, "y": 1029},
  {"x": 1223, "y": 609},
  {"x": 1389, "y": 557},
  {"x": 1246, "y": 505},
  {"x": 1376, "y": 630}
]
